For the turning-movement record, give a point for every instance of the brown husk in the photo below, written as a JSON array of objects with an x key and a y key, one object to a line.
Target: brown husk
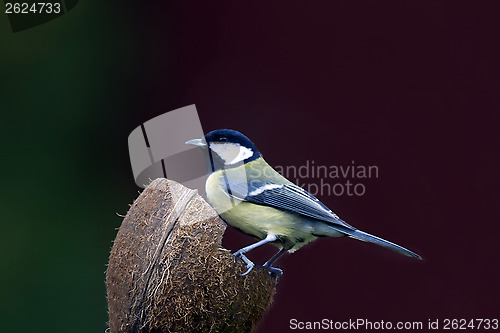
[{"x": 168, "y": 271}]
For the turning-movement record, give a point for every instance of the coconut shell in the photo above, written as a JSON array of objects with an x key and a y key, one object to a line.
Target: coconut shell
[{"x": 168, "y": 271}]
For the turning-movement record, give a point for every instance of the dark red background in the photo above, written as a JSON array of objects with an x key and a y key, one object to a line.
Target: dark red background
[{"x": 411, "y": 87}]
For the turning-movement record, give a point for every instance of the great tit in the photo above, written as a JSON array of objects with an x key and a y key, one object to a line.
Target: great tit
[{"x": 250, "y": 195}]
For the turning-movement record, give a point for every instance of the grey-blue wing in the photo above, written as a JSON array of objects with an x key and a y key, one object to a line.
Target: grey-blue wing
[
  {"x": 296, "y": 200},
  {"x": 286, "y": 197}
]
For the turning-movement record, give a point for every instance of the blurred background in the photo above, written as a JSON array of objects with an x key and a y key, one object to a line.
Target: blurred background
[{"x": 411, "y": 88}]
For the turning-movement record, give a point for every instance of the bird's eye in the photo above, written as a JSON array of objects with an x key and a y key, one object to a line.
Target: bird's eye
[{"x": 222, "y": 139}]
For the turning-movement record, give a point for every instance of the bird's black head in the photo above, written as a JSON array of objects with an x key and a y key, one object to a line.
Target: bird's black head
[{"x": 229, "y": 146}]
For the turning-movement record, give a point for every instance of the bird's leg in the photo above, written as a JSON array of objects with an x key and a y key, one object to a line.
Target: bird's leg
[
  {"x": 269, "y": 238},
  {"x": 271, "y": 261},
  {"x": 275, "y": 257},
  {"x": 240, "y": 253}
]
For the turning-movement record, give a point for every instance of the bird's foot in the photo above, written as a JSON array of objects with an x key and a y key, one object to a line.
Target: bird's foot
[
  {"x": 239, "y": 253},
  {"x": 273, "y": 271},
  {"x": 250, "y": 264}
]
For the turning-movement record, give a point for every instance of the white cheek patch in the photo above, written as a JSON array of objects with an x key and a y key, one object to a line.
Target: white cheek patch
[
  {"x": 243, "y": 154},
  {"x": 264, "y": 188},
  {"x": 231, "y": 153}
]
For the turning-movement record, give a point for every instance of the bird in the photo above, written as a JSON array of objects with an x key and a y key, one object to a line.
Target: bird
[{"x": 248, "y": 194}]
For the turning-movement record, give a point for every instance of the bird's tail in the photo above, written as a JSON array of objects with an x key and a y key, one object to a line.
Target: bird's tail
[{"x": 366, "y": 237}]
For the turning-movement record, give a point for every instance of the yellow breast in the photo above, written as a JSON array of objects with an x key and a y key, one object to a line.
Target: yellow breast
[{"x": 256, "y": 219}]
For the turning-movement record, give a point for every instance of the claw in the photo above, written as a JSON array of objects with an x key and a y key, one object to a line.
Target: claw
[
  {"x": 273, "y": 271},
  {"x": 250, "y": 264},
  {"x": 250, "y": 267}
]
